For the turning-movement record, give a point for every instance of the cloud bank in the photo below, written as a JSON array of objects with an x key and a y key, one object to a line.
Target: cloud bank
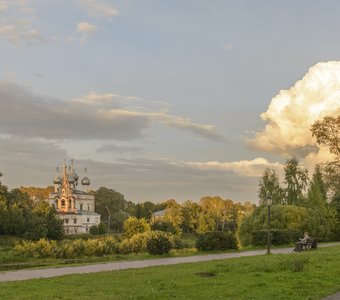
[
  {"x": 292, "y": 112},
  {"x": 106, "y": 117}
]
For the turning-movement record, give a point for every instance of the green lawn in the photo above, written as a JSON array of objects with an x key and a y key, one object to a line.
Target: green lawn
[{"x": 309, "y": 275}]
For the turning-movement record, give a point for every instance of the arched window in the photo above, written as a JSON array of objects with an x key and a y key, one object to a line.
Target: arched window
[
  {"x": 63, "y": 203},
  {"x": 70, "y": 203}
]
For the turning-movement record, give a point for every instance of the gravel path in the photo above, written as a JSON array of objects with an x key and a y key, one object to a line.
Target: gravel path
[{"x": 137, "y": 264}]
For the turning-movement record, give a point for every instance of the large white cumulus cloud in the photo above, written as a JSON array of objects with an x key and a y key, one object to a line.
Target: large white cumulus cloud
[{"x": 292, "y": 112}]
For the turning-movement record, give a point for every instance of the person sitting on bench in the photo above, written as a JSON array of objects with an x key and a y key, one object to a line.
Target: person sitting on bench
[{"x": 302, "y": 242}]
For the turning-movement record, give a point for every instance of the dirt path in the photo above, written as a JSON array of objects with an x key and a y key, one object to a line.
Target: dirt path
[{"x": 137, "y": 264}]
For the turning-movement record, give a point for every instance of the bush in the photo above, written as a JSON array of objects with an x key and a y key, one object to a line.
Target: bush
[
  {"x": 283, "y": 217},
  {"x": 136, "y": 244},
  {"x": 98, "y": 230},
  {"x": 94, "y": 230},
  {"x": 68, "y": 248},
  {"x": 216, "y": 240},
  {"x": 132, "y": 226},
  {"x": 162, "y": 225},
  {"x": 158, "y": 242},
  {"x": 277, "y": 237}
]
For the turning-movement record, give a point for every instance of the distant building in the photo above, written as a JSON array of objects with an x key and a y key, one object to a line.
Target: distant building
[
  {"x": 159, "y": 215},
  {"x": 74, "y": 207}
]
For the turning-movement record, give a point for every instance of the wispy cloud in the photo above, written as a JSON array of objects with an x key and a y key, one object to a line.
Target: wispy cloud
[
  {"x": 248, "y": 168},
  {"x": 98, "y": 8},
  {"x": 111, "y": 148},
  {"x": 22, "y": 113},
  {"x": 86, "y": 30},
  {"x": 17, "y": 24}
]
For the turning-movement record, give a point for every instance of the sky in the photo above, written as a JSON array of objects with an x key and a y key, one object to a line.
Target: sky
[{"x": 165, "y": 99}]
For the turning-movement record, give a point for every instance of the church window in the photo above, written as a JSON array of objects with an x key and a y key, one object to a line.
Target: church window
[
  {"x": 81, "y": 206},
  {"x": 88, "y": 219},
  {"x": 66, "y": 221},
  {"x": 88, "y": 207},
  {"x": 75, "y": 221},
  {"x": 69, "y": 203},
  {"x": 63, "y": 203}
]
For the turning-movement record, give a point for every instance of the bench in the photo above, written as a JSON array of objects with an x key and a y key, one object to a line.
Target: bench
[{"x": 310, "y": 244}]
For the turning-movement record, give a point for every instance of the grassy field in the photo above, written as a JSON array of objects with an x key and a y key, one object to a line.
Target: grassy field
[{"x": 309, "y": 275}]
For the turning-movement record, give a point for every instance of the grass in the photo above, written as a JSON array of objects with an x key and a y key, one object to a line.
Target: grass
[{"x": 308, "y": 275}]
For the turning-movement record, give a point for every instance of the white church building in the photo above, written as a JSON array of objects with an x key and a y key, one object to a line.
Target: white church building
[{"x": 74, "y": 206}]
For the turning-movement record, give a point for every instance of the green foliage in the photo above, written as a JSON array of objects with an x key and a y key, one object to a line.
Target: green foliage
[
  {"x": 94, "y": 230},
  {"x": 269, "y": 186},
  {"x": 216, "y": 240},
  {"x": 327, "y": 131},
  {"x": 277, "y": 237},
  {"x": 20, "y": 216},
  {"x": 335, "y": 204},
  {"x": 135, "y": 244},
  {"x": 99, "y": 229},
  {"x": 289, "y": 218},
  {"x": 331, "y": 176},
  {"x": 283, "y": 217},
  {"x": 133, "y": 226},
  {"x": 163, "y": 225},
  {"x": 67, "y": 249},
  {"x": 191, "y": 212},
  {"x": 108, "y": 200},
  {"x": 158, "y": 242},
  {"x": 296, "y": 180},
  {"x": 35, "y": 227}
]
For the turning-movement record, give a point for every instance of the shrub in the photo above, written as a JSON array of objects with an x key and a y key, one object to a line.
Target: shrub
[
  {"x": 102, "y": 229},
  {"x": 163, "y": 225},
  {"x": 67, "y": 249},
  {"x": 283, "y": 217},
  {"x": 158, "y": 242},
  {"x": 94, "y": 230},
  {"x": 277, "y": 237},
  {"x": 216, "y": 240},
  {"x": 136, "y": 244},
  {"x": 132, "y": 226},
  {"x": 98, "y": 230}
]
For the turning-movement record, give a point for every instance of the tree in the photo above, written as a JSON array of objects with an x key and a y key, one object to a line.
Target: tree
[
  {"x": 331, "y": 175},
  {"x": 108, "y": 199},
  {"x": 191, "y": 212},
  {"x": 335, "y": 204},
  {"x": 174, "y": 214},
  {"x": 327, "y": 131},
  {"x": 317, "y": 193},
  {"x": 132, "y": 226},
  {"x": 269, "y": 186},
  {"x": 37, "y": 193},
  {"x": 296, "y": 180}
]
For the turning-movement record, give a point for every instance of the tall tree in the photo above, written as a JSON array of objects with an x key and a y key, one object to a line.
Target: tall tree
[
  {"x": 296, "y": 180},
  {"x": 108, "y": 202},
  {"x": 191, "y": 212},
  {"x": 269, "y": 186},
  {"x": 327, "y": 131}
]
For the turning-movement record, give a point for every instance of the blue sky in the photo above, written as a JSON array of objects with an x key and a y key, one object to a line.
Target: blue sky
[{"x": 162, "y": 99}]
